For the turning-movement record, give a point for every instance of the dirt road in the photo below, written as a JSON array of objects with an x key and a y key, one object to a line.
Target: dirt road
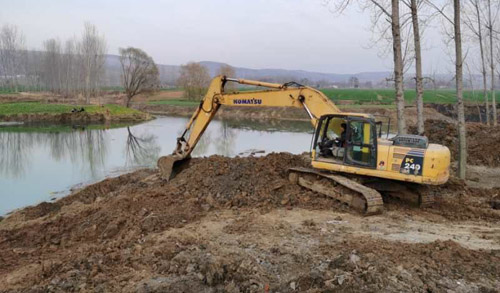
[{"x": 237, "y": 225}]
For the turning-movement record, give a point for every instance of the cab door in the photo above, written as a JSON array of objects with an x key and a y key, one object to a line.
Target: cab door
[{"x": 361, "y": 142}]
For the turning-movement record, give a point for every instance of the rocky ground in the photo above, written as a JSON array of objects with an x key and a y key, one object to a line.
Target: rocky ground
[{"x": 238, "y": 225}]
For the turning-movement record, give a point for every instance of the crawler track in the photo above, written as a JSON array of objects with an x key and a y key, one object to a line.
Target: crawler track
[{"x": 362, "y": 198}]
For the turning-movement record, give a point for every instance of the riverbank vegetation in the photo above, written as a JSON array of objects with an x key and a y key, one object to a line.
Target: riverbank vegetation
[{"x": 44, "y": 108}]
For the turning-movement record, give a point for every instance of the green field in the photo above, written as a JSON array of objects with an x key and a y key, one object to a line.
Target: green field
[
  {"x": 42, "y": 108},
  {"x": 380, "y": 97},
  {"x": 387, "y": 96}
]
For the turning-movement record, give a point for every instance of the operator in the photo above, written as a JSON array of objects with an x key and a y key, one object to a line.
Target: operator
[{"x": 343, "y": 134}]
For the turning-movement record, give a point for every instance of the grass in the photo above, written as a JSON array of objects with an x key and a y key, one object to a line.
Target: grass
[
  {"x": 42, "y": 108},
  {"x": 376, "y": 98},
  {"x": 387, "y": 96}
]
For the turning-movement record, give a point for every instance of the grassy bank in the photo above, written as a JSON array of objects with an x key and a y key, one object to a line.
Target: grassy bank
[
  {"x": 43, "y": 108},
  {"x": 58, "y": 128}
]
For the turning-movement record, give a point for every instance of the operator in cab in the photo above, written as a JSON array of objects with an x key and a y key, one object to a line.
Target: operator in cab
[
  {"x": 343, "y": 134},
  {"x": 332, "y": 145}
]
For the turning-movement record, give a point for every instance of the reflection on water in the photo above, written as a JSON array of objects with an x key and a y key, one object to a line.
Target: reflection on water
[
  {"x": 87, "y": 147},
  {"x": 141, "y": 151},
  {"x": 18, "y": 148},
  {"x": 38, "y": 161}
]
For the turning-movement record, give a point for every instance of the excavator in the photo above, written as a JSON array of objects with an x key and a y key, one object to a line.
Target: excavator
[{"x": 350, "y": 161}]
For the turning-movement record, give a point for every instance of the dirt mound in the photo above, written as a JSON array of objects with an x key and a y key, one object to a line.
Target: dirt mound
[
  {"x": 482, "y": 141},
  {"x": 234, "y": 225},
  {"x": 255, "y": 182}
]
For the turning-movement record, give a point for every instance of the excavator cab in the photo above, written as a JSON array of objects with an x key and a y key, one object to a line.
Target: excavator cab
[{"x": 347, "y": 140}]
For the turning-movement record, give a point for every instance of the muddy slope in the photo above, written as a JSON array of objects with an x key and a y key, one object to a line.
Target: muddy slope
[
  {"x": 237, "y": 225},
  {"x": 473, "y": 112},
  {"x": 77, "y": 117},
  {"x": 482, "y": 141}
]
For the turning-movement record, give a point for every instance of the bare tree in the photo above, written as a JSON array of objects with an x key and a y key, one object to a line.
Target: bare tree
[
  {"x": 139, "y": 72},
  {"x": 194, "y": 79},
  {"x": 52, "y": 64},
  {"x": 392, "y": 16},
  {"x": 69, "y": 68},
  {"x": 11, "y": 48},
  {"x": 471, "y": 86},
  {"x": 474, "y": 23},
  {"x": 414, "y": 6},
  {"x": 462, "y": 133},
  {"x": 398, "y": 66},
  {"x": 92, "y": 50},
  {"x": 457, "y": 38},
  {"x": 491, "y": 19}
]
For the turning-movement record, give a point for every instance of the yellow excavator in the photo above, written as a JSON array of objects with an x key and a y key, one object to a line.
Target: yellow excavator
[{"x": 343, "y": 143}]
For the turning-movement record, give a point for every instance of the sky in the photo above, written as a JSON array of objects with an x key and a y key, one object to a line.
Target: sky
[{"x": 287, "y": 34}]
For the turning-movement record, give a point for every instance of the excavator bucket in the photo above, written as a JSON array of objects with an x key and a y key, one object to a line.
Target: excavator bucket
[{"x": 172, "y": 165}]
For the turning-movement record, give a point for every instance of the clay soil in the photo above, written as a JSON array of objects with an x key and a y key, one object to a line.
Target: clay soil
[
  {"x": 482, "y": 141},
  {"x": 238, "y": 225}
]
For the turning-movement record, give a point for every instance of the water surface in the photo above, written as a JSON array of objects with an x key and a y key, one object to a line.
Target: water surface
[{"x": 43, "y": 162}]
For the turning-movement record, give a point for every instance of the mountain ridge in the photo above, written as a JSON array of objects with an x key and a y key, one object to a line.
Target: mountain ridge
[{"x": 169, "y": 73}]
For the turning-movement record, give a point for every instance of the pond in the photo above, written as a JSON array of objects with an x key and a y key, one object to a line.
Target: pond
[{"x": 43, "y": 162}]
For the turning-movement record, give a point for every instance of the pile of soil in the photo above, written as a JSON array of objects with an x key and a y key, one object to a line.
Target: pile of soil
[
  {"x": 235, "y": 225},
  {"x": 482, "y": 141},
  {"x": 473, "y": 112}
]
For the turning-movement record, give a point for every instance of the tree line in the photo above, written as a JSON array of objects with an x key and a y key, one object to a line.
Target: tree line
[
  {"x": 75, "y": 67},
  {"x": 401, "y": 25}
]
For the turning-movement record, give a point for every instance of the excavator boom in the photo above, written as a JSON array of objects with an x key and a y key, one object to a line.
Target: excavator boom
[{"x": 292, "y": 95}]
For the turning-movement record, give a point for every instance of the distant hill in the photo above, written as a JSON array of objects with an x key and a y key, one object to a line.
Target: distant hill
[{"x": 169, "y": 73}]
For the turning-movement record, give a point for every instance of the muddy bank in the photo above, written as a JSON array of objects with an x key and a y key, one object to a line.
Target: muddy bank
[
  {"x": 473, "y": 112},
  {"x": 229, "y": 112},
  {"x": 237, "y": 225},
  {"x": 77, "y": 117},
  {"x": 482, "y": 141},
  {"x": 287, "y": 113}
]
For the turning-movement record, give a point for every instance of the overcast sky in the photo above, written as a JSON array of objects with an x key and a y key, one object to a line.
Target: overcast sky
[{"x": 288, "y": 34}]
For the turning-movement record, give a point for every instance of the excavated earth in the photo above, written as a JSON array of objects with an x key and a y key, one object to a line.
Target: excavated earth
[
  {"x": 482, "y": 141},
  {"x": 238, "y": 225}
]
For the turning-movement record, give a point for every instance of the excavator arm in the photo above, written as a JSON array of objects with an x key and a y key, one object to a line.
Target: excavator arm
[{"x": 291, "y": 95}]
